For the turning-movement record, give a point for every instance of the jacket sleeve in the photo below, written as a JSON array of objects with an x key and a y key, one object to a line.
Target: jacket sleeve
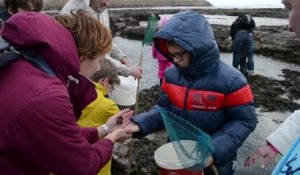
[
  {"x": 240, "y": 121},
  {"x": 283, "y": 137},
  {"x": 233, "y": 30},
  {"x": 252, "y": 24},
  {"x": 151, "y": 121},
  {"x": 47, "y": 132},
  {"x": 121, "y": 68},
  {"x": 90, "y": 134},
  {"x": 116, "y": 52}
]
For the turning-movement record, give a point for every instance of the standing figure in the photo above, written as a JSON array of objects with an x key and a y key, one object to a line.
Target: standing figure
[
  {"x": 38, "y": 133},
  {"x": 99, "y": 111},
  {"x": 98, "y": 8},
  {"x": 242, "y": 34},
  {"x": 201, "y": 89},
  {"x": 163, "y": 63},
  {"x": 243, "y": 58}
]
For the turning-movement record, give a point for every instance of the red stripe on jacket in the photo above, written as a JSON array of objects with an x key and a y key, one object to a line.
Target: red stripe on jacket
[
  {"x": 240, "y": 97},
  {"x": 175, "y": 93},
  {"x": 206, "y": 100}
]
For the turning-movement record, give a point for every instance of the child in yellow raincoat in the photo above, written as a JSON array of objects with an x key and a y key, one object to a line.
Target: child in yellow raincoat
[{"x": 99, "y": 111}]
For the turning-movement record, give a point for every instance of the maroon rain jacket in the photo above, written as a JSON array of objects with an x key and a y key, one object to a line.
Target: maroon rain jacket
[{"x": 38, "y": 131}]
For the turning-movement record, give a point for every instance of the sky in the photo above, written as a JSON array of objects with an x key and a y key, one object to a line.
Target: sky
[{"x": 246, "y": 3}]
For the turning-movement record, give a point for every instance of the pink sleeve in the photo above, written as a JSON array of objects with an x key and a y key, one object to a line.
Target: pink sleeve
[{"x": 154, "y": 52}]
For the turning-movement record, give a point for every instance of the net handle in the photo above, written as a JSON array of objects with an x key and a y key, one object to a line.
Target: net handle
[{"x": 214, "y": 169}]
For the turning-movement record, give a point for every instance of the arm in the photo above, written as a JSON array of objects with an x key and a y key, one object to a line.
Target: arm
[
  {"x": 116, "y": 52},
  {"x": 122, "y": 68},
  {"x": 53, "y": 140},
  {"x": 252, "y": 24},
  {"x": 150, "y": 121},
  {"x": 283, "y": 137},
  {"x": 154, "y": 52},
  {"x": 233, "y": 29},
  {"x": 240, "y": 116}
]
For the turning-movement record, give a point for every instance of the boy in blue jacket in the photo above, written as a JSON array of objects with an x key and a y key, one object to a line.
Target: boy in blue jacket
[{"x": 202, "y": 89}]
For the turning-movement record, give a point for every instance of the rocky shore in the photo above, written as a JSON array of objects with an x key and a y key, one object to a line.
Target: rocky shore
[
  {"x": 270, "y": 95},
  {"x": 270, "y": 41}
]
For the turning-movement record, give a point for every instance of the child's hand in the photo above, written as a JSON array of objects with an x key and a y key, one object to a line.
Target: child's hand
[
  {"x": 119, "y": 120},
  {"x": 265, "y": 152},
  {"x": 133, "y": 127}
]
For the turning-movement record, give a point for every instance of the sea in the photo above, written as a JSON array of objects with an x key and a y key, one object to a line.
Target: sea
[{"x": 246, "y": 3}]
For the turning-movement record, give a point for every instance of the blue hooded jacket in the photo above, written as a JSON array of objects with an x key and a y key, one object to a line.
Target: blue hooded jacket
[{"x": 208, "y": 93}]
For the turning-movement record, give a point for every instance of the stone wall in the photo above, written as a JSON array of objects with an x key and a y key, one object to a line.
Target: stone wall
[{"x": 58, "y": 4}]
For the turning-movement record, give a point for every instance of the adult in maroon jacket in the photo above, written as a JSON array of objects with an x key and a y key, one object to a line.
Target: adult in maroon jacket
[{"x": 38, "y": 132}]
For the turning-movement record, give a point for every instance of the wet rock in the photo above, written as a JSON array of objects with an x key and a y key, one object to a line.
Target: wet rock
[
  {"x": 271, "y": 41},
  {"x": 269, "y": 94}
]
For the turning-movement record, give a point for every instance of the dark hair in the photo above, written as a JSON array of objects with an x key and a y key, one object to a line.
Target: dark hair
[
  {"x": 26, "y": 5},
  {"x": 109, "y": 70}
]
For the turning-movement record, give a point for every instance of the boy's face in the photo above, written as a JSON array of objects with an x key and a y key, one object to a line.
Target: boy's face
[
  {"x": 180, "y": 56},
  {"x": 108, "y": 86},
  {"x": 294, "y": 15}
]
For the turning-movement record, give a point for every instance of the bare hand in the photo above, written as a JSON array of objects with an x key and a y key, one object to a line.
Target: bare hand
[
  {"x": 125, "y": 61},
  {"x": 136, "y": 71},
  {"x": 209, "y": 161},
  {"x": 119, "y": 134},
  {"x": 119, "y": 120},
  {"x": 133, "y": 127},
  {"x": 264, "y": 151}
]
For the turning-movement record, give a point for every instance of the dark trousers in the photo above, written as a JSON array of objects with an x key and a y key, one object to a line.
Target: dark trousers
[{"x": 243, "y": 39}]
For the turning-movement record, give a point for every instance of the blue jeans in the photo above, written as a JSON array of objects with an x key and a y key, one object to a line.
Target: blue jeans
[{"x": 243, "y": 39}]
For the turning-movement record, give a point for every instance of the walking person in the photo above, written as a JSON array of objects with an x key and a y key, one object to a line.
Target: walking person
[
  {"x": 243, "y": 38},
  {"x": 243, "y": 57},
  {"x": 279, "y": 141}
]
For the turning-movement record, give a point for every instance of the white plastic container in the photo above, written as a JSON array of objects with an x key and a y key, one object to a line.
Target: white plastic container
[
  {"x": 169, "y": 164},
  {"x": 125, "y": 93}
]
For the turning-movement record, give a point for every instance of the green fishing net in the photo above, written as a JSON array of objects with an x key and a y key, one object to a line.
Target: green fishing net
[
  {"x": 151, "y": 29},
  {"x": 192, "y": 145}
]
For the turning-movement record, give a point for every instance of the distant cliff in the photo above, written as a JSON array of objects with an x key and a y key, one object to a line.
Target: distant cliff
[{"x": 58, "y": 4}]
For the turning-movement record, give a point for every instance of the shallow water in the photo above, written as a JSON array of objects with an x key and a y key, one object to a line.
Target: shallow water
[
  {"x": 259, "y": 21},
  {"x": 263, "y": 65},
  {"x": 228, "y": 20},
  {"x": 246, "y": 4}
]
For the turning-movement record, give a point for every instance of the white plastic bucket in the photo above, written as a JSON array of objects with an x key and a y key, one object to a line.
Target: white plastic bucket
[
  {"x": 169, "y": 164},
  {"x": 125, "y": 93}
]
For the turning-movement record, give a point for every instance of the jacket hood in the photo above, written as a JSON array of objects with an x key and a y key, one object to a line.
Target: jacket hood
[
  {"x": 191, "y": 31},
  {"x": 47, "y": 37},
  {"x": 55, "y": 43}
]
